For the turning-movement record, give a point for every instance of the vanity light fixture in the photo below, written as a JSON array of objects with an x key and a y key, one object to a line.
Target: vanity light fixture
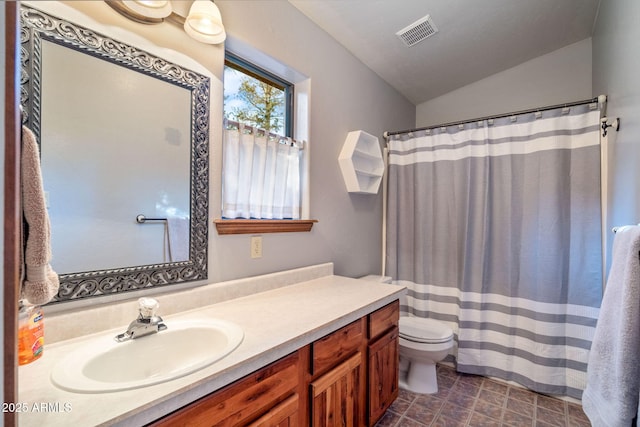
[
  {"x": 150, "y": 8},
  {"x": 203, "y": 22},
  {"x": 143, "y": 11}
]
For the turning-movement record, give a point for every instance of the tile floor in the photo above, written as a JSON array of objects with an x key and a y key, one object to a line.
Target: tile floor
[{"x": 470, "y": 400}]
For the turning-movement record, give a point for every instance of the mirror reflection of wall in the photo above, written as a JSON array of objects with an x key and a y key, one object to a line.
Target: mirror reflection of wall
[{"x": 116, "y": 144}]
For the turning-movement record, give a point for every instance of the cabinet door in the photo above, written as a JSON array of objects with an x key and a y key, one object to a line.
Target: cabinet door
[
  {"x": 383, "y": 374},
  {"x": 337, "y": 398},
  {"x": 284, "y": 414}
]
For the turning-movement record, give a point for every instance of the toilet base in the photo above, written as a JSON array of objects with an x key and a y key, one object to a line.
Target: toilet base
[{"x": 420, "y": 378}]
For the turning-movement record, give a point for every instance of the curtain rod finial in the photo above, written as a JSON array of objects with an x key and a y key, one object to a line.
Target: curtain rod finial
[{"x": 602, "y": 99}]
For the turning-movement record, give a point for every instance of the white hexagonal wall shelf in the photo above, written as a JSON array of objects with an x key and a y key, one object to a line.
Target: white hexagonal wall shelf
[{"x": 361, "y": 163}]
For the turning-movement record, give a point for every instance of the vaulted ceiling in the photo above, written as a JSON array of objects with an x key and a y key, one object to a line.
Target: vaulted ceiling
[{"x": 475, "y": 38}]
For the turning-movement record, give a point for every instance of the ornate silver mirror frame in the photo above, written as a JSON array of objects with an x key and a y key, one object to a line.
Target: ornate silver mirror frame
[{"x": 37, "y": 26}]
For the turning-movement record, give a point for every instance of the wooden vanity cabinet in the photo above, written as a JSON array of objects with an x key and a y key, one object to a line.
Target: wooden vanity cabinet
[
  {"x": 267, "y": 397},
  {"x": 337, "y": 397},
  {"x": 362, "y": 359},
  {"x": 337, "y": 385},
  {"x": 383, "y": 363},
  {"x": 347, "y": 378},
  {"x": 285, "y": 414}
]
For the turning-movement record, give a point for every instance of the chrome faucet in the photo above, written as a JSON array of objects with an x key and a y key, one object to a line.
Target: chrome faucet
[{"x": 147, "y": 322}]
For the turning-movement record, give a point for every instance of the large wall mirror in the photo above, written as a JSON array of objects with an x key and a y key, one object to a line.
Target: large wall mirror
[{"x": 124, "y": 140}]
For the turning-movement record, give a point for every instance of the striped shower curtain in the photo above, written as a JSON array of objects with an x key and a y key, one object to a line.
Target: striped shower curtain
[{"x": 495, "y": 228}]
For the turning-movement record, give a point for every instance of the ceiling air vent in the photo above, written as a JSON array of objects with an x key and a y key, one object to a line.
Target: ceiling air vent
[{"x": 418, "y": 31}]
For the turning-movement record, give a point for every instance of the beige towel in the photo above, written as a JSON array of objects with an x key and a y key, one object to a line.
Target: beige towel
[{"x": 40, "y": 283}]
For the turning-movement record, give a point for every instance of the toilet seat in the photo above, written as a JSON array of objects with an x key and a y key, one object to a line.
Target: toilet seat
[{"x": 423, "y": 330}]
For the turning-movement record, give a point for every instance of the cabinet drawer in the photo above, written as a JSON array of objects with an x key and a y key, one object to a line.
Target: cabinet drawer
[
  {"x": 283, "y": 415},
  {"x": 336, "y": 346},
  {"x": 384, "y": 319},
  {"x": 243, "y": 400}
]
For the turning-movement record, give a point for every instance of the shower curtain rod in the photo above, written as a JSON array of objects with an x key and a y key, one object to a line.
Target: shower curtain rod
[{"x": 600, "y": 99}]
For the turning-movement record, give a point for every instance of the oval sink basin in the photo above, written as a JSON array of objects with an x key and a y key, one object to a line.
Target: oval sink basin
[{"x": 104, "y": 365}]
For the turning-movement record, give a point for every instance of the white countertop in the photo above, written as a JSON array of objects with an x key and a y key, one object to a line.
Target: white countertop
[{"x": 275, "y": 323}]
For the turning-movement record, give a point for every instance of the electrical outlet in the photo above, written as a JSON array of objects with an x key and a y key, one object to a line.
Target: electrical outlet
[{"x": 256, "y": 246}]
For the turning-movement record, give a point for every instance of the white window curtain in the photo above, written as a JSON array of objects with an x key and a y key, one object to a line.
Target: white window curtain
[{"x": 261, "y": 175}]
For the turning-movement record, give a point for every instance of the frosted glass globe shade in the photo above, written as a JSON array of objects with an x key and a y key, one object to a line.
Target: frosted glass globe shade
[{"x": 204, "y": 23}]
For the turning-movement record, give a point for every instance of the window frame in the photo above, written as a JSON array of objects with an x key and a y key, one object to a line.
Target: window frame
[
  {"x": 260, "y": 226},
  {"x": 252, "y": 70}
]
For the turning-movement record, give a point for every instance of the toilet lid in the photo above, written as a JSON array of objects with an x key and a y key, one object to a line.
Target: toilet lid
[{"x": 420, "y": 329}]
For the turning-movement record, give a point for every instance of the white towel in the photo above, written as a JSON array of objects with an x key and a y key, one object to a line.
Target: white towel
[
  {"x": 613, "y": 384},
  {"x": 179, "y": 238}
]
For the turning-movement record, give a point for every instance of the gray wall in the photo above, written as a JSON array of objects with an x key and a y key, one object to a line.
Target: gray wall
[
  {"x": 345, "y": 96},
  {"x": 560, "y": 76},
  {"x": 616, "y": 71}
]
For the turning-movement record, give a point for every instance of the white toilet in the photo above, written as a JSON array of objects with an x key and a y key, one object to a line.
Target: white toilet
[{"x": 423, "y": 343}]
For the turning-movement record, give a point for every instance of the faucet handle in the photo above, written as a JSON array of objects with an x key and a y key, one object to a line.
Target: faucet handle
[{"x": 147, "y": 307}]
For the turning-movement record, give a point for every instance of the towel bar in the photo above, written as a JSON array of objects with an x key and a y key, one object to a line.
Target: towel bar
[
  {"x": 615, "y": 229},
  {"x": 141, "y": 219}
]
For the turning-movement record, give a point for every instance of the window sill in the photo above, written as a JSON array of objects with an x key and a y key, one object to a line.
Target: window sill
[{"x": 260, "y": 226}]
